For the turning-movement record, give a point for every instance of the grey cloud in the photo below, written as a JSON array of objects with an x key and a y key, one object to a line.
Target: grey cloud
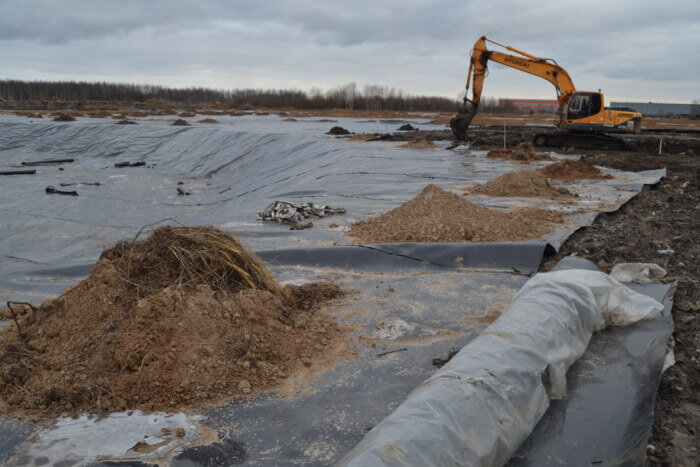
[{"x": 418, "y": 45}]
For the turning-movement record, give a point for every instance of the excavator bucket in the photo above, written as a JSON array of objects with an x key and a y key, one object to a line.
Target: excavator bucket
[{"x": 460, "y": 123}]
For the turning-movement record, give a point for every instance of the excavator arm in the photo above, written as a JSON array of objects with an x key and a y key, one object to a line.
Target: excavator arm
[{"x": 542, "y": 67}]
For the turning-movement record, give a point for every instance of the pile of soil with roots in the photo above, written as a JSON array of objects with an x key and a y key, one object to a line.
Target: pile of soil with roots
[
  {"x": 184, "y": 318},
  {"x": 436, "y": 215}
]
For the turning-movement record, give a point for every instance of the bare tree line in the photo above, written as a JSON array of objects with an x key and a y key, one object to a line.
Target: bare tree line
[{"x": 348, "y": 96}]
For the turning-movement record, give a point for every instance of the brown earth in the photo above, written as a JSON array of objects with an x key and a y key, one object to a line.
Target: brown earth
[
  {"x": 419, "y": 143},
  {"x": 362, "y": 137},
  {"x": 186, "y": 114},
  {"x": 208, "y": 120},
  {"x": 436, "y": 215},
  {"x": 661, "y": 217},
  {"x": 523, "y": 152},
  {"x": 125, "y": 122},
  {"x": 185, "y": 318},
  {"x": 180, "y": 122},
  {"x": 524, "y": 183},
  {"x": 160, "y": 105},
  {"x": 569, "y": 171},
  {"x": 63, "y": 117},
  {"x": 30, "y": 114}
]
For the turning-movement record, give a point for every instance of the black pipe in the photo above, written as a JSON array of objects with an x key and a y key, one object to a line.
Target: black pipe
[
  {"x": 48, "y": 161},
  {"x": 18, "y": 172},
  {"x": 130, "y": 164},
  {"x": 50, "y": 189}
]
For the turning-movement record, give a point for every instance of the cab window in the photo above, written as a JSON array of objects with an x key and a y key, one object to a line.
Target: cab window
[{"x": 580, "y": 106}]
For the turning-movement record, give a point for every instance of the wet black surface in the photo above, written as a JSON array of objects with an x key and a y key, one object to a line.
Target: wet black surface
[
  {"x": 222, "y": 454},
  {"x": 608, "y": 410}
]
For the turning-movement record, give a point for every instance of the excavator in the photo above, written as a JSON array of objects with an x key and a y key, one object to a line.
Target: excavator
[{"x": 581, "y": 116}]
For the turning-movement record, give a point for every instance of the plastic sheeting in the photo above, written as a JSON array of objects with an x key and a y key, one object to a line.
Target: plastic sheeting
[
  {"x": 232, "y": 171},
  {"x": 484, "y": 403}
]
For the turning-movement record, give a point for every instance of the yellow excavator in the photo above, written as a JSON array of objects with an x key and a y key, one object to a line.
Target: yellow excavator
[{"x": 581, "y": 114}]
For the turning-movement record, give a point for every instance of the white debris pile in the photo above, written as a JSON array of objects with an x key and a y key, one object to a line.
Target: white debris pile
[{"x": 283, "y": 211}]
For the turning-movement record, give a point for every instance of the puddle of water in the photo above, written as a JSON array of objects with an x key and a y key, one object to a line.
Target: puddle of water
[{"x": 119, "y": 436}]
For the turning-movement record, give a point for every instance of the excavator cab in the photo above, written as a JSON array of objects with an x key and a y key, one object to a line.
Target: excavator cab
[{"x": 584, "y": 110}]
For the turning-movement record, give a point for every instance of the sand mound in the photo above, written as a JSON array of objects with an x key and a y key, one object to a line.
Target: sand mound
[
  {"x": 186, "y": 114},
  {"x": 180, "y": 122},
  {"x": 419, "y": 143},
  {"x": 436, "y": 215},
  {"x": 186, "y": 317},
  {"x": 523, "y": 152},
  {"x": 524, "y": 183},
  {"x": 208, "y": 120},
  {"x": 125, "y": 122},
  {"x": 569, "y": 171}
]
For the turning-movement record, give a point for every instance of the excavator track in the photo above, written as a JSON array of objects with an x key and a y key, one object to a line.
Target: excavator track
[{"x": 580, "y": 140}]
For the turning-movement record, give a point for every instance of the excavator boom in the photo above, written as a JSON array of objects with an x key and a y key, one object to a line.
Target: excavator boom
[{"x": 594, "y": 117}]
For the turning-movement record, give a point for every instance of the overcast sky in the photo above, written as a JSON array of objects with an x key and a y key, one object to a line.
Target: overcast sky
[{"x": 631, "y": 49}]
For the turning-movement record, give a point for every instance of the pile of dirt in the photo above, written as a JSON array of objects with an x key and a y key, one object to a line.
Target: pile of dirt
[
  {"x": 436, "y": 215},
  {"x": 523, "y": 152},
  {"x": 180, "y": 122},
  {"x": 125, "y": 122},
  {"x": 186, "y": 317},
  {"x": 338, "y": 130},
  {"x": 524, "y": 183},
  {"x": 208, "y": 120},
  {"x": 419, "y": 143},
  {"x": 568, "y": 171},
  {"x": 186, "y": 114},
  {"x": 407, "y": 127},
  {"x": 61, "y": 117}
]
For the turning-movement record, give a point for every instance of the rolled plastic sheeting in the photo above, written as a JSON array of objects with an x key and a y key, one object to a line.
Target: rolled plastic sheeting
[{"x": 484, "y": 403}]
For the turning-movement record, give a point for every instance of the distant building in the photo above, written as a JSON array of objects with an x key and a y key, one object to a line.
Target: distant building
[
  {"x": 655, "y": 108},
  {"x": 537, "y": 105}
]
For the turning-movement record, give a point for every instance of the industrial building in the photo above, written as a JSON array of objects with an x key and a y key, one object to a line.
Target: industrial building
[{"x": 658, "y": 108}]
